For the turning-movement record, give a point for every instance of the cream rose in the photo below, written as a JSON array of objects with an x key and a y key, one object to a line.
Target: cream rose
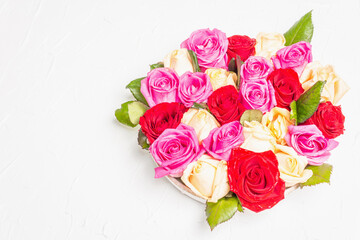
[
  {"x": 292, "y": 166},
  {"x": 201, "y": 120},
  {"x": 334, "y": 89},
  {"x": 180, "y": 61},
  {"x": 207, "y": 178},
  {"x": 220, "y": 77},
  {"x": 258, "y": 138},
  {"x": 277, "y": 121},
  {"x": 267, "y": 44}
]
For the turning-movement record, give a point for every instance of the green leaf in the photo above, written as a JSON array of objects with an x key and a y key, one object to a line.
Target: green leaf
[
  {"x": 302, "y": 30},
  {"x": 321, "y": 174},
  {"x": 251, "y": 115},
  {"x": 293, "y": 112},
  {"x": 307, "y": 103},
  {"x": 232, "y": 65},
  {"x": 239, "y": 207},
  {"x": 239, "y": 62},
  {"x": 194, "y": 60},
  {"x": 122, "y": 115},
  {"x": 200, "y": 106},
  {"x": 156, "y": 65},
  {"x": 136, "y": 110},
  {"x": 130, "y": 113},
  {"x": 134, "y": 87},
  {"x": 221, "y": 211},
  {"x": 143, "y": 140}
]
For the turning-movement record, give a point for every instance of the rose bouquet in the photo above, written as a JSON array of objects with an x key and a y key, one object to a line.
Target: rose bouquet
[{"x": 236, "y": 121}]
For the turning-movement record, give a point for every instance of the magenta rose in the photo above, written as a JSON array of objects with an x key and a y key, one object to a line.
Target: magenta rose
[
  {"x": 174, "y": 149},
  {"x": 255, "y": 68},
  {"x": 210, "y": 47},
  {"x": 194, "y": 87},
  {"x": 307, "y": 140},
  {"x": 160, "y": 85},
  {"x": 296, "y": 57},
  {"x": 257, "y": 94},
  {"x": 221, "y": 140}
]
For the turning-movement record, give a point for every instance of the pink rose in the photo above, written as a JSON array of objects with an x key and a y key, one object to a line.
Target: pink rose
[
  {"x": 221, "y": 140},
  {"x": 160, "y": 85},
  {"x": 257, "y": 94},
  {"x": 296, "y": 57},
  {"x": 210, "y": 47},
  {"x": 194, "y": 87},
  {"x": 174, "y": 149},
  {"x": 255, "y": 68},
  {"x": 307, "y": 140}
]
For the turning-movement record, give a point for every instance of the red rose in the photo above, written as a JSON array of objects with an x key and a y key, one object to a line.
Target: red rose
[
  {"x": 329, "y": 119},
  {"x": 160, "y": 117},
  {"x": 225, "y": 105},
  {"x": 286, "y": 85},
  {"x": 242, "y": 46},
  {"x": 255, "y": 179}
]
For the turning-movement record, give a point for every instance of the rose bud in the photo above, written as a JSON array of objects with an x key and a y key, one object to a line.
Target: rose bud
[{"x": 180, "y": 61}]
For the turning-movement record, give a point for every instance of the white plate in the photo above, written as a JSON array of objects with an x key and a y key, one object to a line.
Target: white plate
[
  {"x": 185, "y": 190},
  {"x": 177, "y": 183}
]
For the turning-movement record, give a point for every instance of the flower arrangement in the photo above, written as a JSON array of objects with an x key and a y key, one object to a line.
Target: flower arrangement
[{"x": 239, "y": 120}]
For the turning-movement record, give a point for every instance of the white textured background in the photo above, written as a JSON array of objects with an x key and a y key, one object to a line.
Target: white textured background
[{"x": 68, "y": 170}]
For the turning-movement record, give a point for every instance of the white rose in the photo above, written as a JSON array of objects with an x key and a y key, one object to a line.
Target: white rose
[
  {"x": 267, "y": 44},
  {"x": 334, "y": 89},
  {"x": 201, "y": 120},
  {"x": 179, "y": 60},
  {"x": 220, "y": 77},
  {"x": 277, "y": 121},
  {"x": 292, "y": 166},
  {"x": 207, "y": 178},
  {"x": 258, "y": 138}
]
